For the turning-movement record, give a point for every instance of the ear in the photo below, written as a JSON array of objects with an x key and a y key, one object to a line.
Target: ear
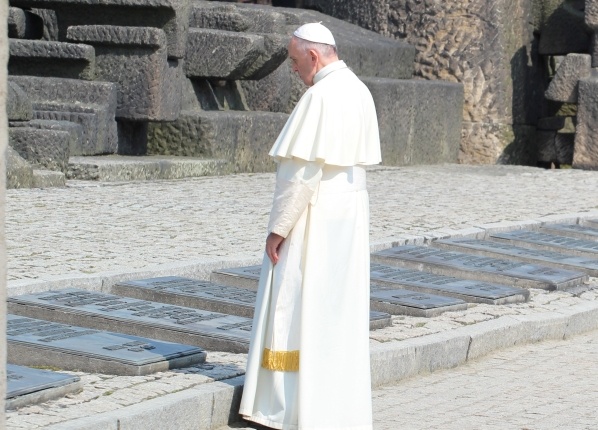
[{"x": 314, "y": 55}]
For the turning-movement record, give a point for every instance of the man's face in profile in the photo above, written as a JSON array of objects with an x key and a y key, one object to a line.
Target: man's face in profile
[{"x": 303, "y": 62}]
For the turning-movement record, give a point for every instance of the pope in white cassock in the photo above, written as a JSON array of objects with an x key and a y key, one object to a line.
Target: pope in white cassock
[{"x": 309, "y": 364}]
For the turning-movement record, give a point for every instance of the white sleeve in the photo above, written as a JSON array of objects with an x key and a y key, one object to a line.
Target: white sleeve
[{"x": 296, "y": 183}]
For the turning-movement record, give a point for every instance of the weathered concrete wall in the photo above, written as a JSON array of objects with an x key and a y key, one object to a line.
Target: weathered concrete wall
[
  {"x": 487, "y": 45},
  {"x": 3, "y": 146}
]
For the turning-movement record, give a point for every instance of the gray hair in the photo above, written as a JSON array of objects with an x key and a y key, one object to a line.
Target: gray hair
[{"x": 323, "y": 49}]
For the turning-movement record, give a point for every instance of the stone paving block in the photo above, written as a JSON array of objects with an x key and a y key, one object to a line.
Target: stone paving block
[
  {"x": 563, "y": 87},
  {"x": 585, "y": 153},
  {"x": 136, "y": 59},
  {"x": 551, "y": 123},
  {"x": 51, "y": 59},
  {"x": 75, "y": 130},
  {"x": 591, "y": 13},
  {"x": 89, "y": 104},
  {"x": 391, "y": 362},
  {"x": 273, "y": 93},
  {"x": 57, "y": 90},
  {"x": 581, "y": 318},
  {"x": 239, "y": 17},
  {"x": 42, "y": 148},
  {"x": 417, "y": 139},
  {"x": 539, "y": 327},
  {"x": 48, "y": 179},
  {"x": 564, "y": 145},
  {"x": 118, "y": 168},
  {"x": 18, "y": 105},
  {"x": 19, "y": 173},
  {"x": 494, "y": 335},
  {"x": 22, "y": 24},
  {"x": 229, "y": 55},
  {"x": 243, "y": 138},
  {"x": 205, "y": 407},
  {"x": 218, "y": 17},
  {"x": 50, "y": 23},
  {"x": 172, "y": 16},
  {"x": 94, "y": 139},
  {"x": 562, "y": 30}
]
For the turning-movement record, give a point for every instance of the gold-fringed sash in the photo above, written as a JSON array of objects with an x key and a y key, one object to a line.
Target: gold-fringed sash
[{"x": 281, "y": 361}]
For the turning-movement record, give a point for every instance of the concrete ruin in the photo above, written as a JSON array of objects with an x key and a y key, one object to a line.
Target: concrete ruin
[
  {"x": 94, "y": 83},
  {"x": 524, "y": 64}
]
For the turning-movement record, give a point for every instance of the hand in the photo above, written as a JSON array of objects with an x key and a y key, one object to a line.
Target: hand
[{"x": 273, "y": 243}]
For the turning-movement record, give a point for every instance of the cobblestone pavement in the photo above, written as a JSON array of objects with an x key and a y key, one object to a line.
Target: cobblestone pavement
[
  {"x": 550, "y": 385},
  {"x": 90, "y": 228},
  {"x": 545, "y": 386}
]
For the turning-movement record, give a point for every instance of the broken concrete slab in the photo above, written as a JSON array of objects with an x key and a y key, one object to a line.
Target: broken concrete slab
[
  {"x": 171, "y": 16},
  {"x": 51, "y": 59},
  {"x": 18, "y": 105},
  {"x": 90, "y": 104},
  {"x": 136, "y": 59},
  {"x": 242, "y": 138},
  {"x": 48, "y": 149},
  {"x": 564, "y": 84},
  {"x": 585, "y": 153},
  {"x": 19, "y": 173}
]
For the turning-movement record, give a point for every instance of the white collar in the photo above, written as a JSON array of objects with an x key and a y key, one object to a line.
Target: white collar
[{"x": 325, "y": 71}]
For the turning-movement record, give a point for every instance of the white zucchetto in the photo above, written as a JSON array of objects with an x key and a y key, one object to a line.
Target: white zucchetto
[{"x": 315, "y": 32}]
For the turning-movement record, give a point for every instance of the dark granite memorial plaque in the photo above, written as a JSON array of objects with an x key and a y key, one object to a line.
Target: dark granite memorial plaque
[
  {"x": 191, "y": 293},
  {"x": 571, "y": 230},
  {"x": 34, "y": 342},
  {"x": 590, "y": 222},
  {"x": 243, "y": 277},
  {"x": 496, "y": 249},
  {"x": 468, "y": 290},
  {"x": 486, "y": 269},
  {"x": 550, "y": 242},
  {"x": 26, "y": 386},
  {"x": 379, "y": 320},
  {"x": 210, "y": 330},
  {"x": 405, "y": 302}
]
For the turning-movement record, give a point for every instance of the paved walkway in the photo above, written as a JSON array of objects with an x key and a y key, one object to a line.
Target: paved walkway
[
  {"x": 545, "y": 386},
  {"x": 61, "y": 237},
  {"x": 89, "y": 228},
  {"x": 550, "y": 385}
]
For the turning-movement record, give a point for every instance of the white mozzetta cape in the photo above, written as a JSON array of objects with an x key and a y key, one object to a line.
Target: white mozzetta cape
[
  {"x": 308, "y": 366},
  {"x": 334, "y": 122}
]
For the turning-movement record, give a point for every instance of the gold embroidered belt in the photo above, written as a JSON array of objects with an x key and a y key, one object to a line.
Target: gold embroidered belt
[{"x": 281, "y": 361}]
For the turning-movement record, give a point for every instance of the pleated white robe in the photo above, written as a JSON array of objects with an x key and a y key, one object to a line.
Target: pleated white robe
[{"x": 314, "y": 303}]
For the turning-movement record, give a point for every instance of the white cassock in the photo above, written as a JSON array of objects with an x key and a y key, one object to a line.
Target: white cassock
[{"x": 309, "y": 364}]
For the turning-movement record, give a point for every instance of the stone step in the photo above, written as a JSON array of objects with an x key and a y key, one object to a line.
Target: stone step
[
  {"x": 396, "y": 301},
  {"x": 194, "y": 293},
  {"x": 27, "y": 386},
  {"x": 115, "y": 168},
  {"x": 468, "y": 266},
  {"x": 548, "y": 242},
  {"x": 38, "y": 342},
  {"x": 489, "y": 248},
  {"x": 209, "y": 330},
  {"x": 51, "y": 59}
]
